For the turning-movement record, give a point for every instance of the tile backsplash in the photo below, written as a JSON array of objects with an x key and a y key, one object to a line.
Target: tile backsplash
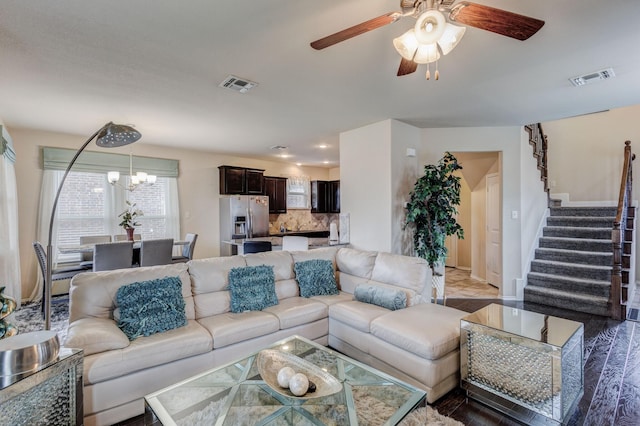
[{"x": 302, "y": 220}]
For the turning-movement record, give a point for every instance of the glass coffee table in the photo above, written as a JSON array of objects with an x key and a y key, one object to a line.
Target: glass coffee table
[{"x": 236, "y": 394}]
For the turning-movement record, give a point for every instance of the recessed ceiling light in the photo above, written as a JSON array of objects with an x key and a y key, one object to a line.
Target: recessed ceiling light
[
  {"x": 298, "y": 164},
  {"x": 323, "y": 146},
  {"x": 326, "y": 162},
  {"x": 284, "y": 155}
]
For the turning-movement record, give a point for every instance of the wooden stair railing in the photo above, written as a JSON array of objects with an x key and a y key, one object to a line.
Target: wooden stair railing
[
  {"x": 538, "y": 140},
  {"x": 622, "y": 236}
]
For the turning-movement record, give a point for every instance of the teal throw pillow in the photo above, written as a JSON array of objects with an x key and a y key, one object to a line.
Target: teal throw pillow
[
  {"x": 381, "y": 296},
  {"x": 149, "y": 307},
  {"x": 316, "y": 278},
  {"x": 252, "y": 288}
]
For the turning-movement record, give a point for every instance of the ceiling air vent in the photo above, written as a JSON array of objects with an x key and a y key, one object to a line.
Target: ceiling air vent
[
  {"x": 237, "y": 84},
  {"x": 592, "y": 77}
]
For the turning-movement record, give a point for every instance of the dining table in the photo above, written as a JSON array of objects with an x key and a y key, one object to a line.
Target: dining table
[{"x": 88, "y": 248}]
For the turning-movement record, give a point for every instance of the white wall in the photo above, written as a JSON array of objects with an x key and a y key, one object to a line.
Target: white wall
[
  {"x": 586, "y": 153},
  {"x": 375, "y": 179},
  {"x": 365, "y": 185},
  {"x": 198, "y": 186},
  {"x": 404, "y": 173},
  {"x": 507, "y": 140}
]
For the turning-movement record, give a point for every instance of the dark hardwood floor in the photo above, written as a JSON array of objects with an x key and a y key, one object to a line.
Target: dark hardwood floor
[{"x": 611, "y": 372}]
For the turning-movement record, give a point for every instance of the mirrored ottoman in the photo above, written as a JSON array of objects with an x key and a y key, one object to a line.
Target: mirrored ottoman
[{"x": 522, "y": 363}]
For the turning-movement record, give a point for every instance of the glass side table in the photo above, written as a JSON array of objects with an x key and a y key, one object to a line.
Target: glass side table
[
  {"x": 522, "y": 363},
  {"x": 50, "y": 395}
]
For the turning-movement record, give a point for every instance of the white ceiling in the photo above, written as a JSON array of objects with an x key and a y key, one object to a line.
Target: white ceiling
[{"x": 72, "y": 65}]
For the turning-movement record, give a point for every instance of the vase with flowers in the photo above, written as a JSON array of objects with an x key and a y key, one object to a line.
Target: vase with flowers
[{"x": 129, "y": 216}]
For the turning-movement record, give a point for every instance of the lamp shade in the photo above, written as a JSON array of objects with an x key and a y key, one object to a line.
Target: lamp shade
[
  {"x": 426, "y": 53},
  {"x": 115, "y": 135},
  {"x": 450, "y": 38},
  {"x": 406, "y": 44},
  {"x": 113, "y": 177}
]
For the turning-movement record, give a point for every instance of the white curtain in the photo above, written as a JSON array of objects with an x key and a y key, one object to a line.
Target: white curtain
[
  {"x": 50, "y": 181},
  {"x": 9, "y": 254}
]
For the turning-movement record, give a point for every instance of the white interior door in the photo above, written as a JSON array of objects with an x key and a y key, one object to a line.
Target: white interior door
[{"x": 494, "y": 231}]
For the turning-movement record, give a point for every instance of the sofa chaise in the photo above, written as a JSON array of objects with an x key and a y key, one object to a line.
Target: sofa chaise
[{"x": 418, "y": 344}]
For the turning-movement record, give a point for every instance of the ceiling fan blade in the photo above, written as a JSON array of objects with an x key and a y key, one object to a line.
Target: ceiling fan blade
[
  {"x": 356, "y": 30},
  {"x": 406, "y": 67},
  {"x": 496, "y": 20}
]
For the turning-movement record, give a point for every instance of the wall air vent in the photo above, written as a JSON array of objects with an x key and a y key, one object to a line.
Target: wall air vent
[
  {"x": 237, "y": 84},
  {"x": 592, "y": 77}
]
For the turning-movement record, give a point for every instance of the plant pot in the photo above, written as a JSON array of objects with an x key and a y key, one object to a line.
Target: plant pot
[
  {"x": 130, "y": 232},
  {"x": 438, "y": 282}
]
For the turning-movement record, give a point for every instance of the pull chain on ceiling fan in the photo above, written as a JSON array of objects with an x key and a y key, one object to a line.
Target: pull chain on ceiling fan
[{"x": 432, "y": 34}]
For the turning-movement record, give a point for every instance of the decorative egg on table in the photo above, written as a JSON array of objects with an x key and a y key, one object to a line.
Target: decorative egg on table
[
  {"x": 284, "y": 376},
  {"x": 299, "y": 384}
]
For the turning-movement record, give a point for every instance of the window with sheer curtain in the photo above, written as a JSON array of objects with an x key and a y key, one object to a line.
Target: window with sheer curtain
[{"x": 89, "y": 205}]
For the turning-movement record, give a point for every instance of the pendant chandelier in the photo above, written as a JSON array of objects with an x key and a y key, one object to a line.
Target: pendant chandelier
[{"x": 135, "y": 180}]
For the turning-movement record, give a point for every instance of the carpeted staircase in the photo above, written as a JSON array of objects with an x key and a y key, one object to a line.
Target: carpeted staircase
[{"x": 573, "y": 264}]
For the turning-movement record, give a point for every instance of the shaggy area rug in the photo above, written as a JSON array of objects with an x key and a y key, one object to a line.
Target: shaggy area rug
[
  {"x": 29, "y": 318},
  {"x": 428, "y": 416}
]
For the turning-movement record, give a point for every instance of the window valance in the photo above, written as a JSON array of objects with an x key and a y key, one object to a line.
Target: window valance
[
  {"x": 6, "y": 145},
  {"x": 93, "y": 161}
]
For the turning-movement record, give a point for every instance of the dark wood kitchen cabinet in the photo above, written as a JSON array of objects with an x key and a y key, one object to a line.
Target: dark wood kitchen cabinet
[
  {"x": 334, "y": 196},
  {"x": 276, "y": 189},
  {"x": 241, "y": 180},
  {"x": 325, "y": 196}
]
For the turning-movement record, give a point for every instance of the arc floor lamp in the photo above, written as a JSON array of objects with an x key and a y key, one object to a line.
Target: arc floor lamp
[{"x": 108, "y": 136}]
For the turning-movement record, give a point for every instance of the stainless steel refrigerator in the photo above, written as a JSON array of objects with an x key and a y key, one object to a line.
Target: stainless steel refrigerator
[{"x": 242, "y": 216}]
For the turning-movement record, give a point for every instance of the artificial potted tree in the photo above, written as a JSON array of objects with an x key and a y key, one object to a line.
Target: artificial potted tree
[{"x": 431, "y": 213}]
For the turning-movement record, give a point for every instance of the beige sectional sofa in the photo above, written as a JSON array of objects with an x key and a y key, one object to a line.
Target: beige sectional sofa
[{"x": 418, "y": 344}]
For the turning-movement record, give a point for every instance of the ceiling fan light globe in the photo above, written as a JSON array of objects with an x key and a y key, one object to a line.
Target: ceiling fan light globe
[
  {"x": 450, "y": 38},
  {"x": 426, "y": 54},
  {"x": 430, "y": 26},
  {"x": 406, "y": 44}
]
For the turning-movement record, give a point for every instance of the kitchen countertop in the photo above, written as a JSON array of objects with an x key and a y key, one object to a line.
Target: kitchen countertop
[
  {"x": 303, "y": 233},
  {"x": 276, "y": 242}
]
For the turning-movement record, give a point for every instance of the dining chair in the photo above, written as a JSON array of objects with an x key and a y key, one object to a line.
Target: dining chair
[
  {"x": 123, "y": 237},
  {"x": 57, "y": 274},
  {"x": 187, "y": 249},
  {"x": 295, "y": 243},
  {"x": 156, "y": 252},
  {"x": 87, "y": 257},
  {"x": 256, "y": 246},
  {"x": 110, "y": 256}
]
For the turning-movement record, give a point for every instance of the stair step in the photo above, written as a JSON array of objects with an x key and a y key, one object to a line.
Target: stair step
[
  {"x": 567, "y": 300},
  {"x": 584, "y": 211},
  {"x": 578, "y": 244},
  {"x": 573, "y": 256},
  {"x": 581, "y": 221},
  {"x": 575, "y": 232},
  {"x": 601, "y": 273},
  {"x": 570, "y": 284}
]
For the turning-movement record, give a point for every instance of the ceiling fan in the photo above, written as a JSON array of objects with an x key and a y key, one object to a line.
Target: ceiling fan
[{"x": 433, "y": 34}]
